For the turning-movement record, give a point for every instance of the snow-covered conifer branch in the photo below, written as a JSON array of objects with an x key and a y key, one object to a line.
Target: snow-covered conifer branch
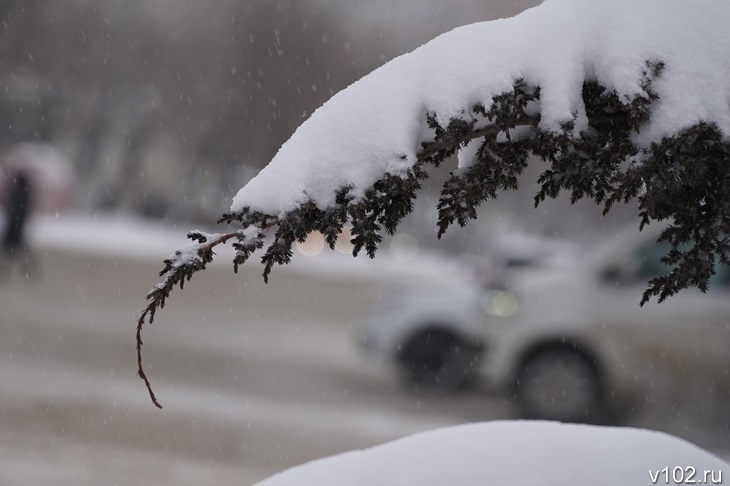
[
  {"x": 596, "y": 164},
  {"x": 621, "y": 100}
]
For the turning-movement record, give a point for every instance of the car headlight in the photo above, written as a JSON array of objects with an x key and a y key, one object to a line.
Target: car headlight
[{"x": 502, "y": 303}]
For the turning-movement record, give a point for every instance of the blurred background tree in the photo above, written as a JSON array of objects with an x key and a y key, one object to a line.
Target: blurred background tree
[{"x": 150, "y": 99}]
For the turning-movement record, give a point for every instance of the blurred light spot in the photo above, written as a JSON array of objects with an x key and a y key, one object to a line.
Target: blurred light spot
[
  {"x": 404, "y": 247},
  {"x": 502, "y": 304},
  {"x": 313, "y": 245},
  {"x": 343, "y": 244}
]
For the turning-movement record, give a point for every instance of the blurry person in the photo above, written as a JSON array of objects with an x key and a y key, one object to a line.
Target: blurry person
[
  {"x": 35, "y": 178},
  {"x": 17, "y": 210},
  {"x": 17, "y": 207}
]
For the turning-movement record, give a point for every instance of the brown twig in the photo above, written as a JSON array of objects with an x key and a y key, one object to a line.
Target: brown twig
[
  {"x": 155, "y": 303},
  {"x": 140, "y": 369}
]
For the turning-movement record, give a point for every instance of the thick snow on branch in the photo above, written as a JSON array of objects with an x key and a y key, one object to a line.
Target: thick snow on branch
[{"x": 377, "y": 125}]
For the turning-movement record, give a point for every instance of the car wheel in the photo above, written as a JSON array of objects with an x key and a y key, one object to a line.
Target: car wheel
[
  {"x": 436, "y": 362},
  {"x": 560, "y": 383}
]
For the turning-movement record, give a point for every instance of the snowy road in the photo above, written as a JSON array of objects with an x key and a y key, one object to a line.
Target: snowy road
[{"x": 253, "y": 378}]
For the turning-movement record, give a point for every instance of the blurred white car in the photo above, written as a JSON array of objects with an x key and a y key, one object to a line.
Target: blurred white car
[{"x": 567, "y": 344}]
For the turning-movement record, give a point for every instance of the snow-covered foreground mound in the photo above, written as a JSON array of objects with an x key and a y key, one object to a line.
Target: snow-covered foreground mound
[{"x": 517, "y": 453}]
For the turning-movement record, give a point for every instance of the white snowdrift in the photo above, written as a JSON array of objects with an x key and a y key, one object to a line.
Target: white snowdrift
[
  {"x": 518, "y": 454},
  {"x": 377, "y": 124}
]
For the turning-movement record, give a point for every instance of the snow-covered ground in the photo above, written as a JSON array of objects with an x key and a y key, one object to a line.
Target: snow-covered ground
[
  {"x": 125, "y": 238},
  {"x": 254, "y": 378}
]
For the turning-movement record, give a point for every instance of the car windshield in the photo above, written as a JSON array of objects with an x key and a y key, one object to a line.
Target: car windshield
[{"x": 649, "y": 255}]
